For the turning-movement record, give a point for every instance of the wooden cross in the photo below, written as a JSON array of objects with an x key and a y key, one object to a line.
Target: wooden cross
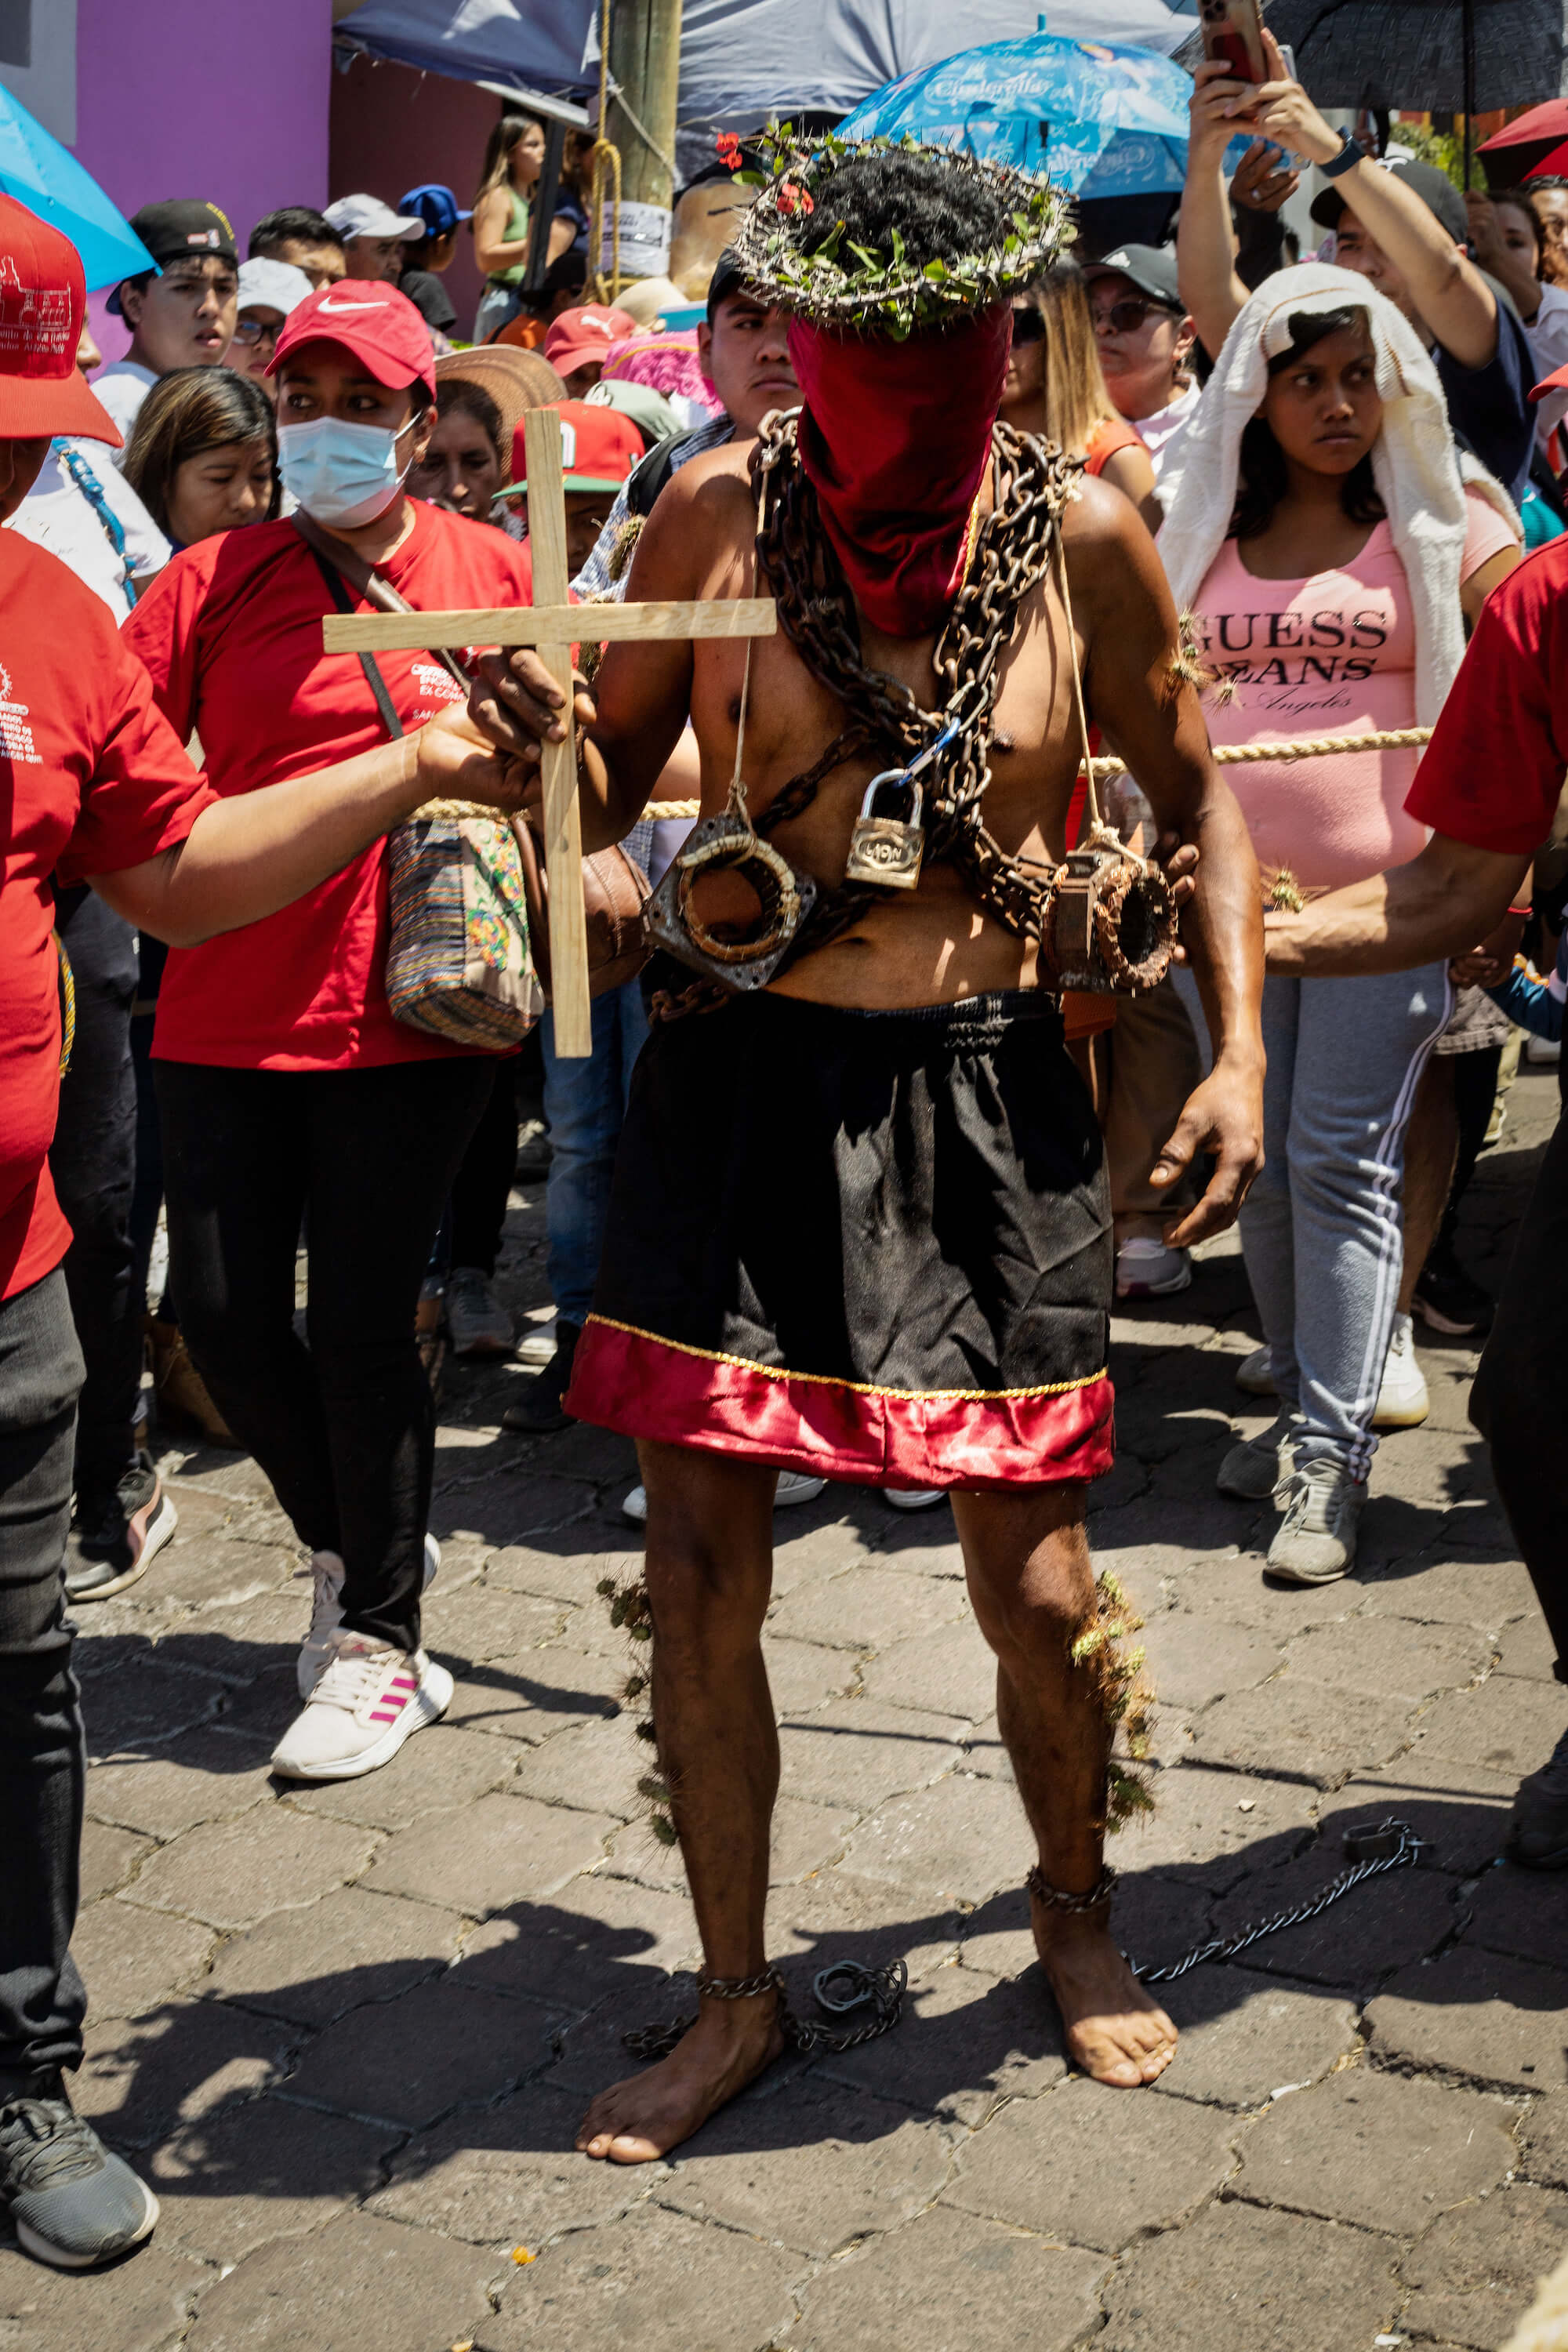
[{"x": 551, "y": 624}]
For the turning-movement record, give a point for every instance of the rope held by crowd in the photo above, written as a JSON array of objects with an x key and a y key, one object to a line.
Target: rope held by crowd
[{"x": 1306, "y": 747}]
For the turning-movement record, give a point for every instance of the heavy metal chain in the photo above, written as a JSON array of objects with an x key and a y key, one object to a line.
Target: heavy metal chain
[
  {"x": 1012, "y": 553},
  {"x": 1391, "y": 1844},
  {"x": 848, "y": 1985}
]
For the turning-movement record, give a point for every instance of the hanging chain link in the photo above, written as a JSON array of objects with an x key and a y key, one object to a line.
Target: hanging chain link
[
  {"x": 1407, "y": 1849},
  {"x": 848, "y": 1985}
]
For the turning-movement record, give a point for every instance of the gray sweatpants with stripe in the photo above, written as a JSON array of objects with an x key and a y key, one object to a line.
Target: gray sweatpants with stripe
[{"x": 1321, "y": 1229}]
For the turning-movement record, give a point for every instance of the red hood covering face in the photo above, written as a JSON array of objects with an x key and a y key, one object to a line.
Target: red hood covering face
[{"x": 894, "y": 439}]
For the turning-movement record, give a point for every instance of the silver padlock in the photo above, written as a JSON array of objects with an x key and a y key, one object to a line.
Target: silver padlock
[{"x": 886, "y": 851}]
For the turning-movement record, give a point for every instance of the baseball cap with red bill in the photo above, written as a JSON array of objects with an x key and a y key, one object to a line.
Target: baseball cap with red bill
[
  {"x": 42, "y": 300},
  {"x": 599, "y": 446},
  {"x": 584, "y": 334},
  {"x": 373, "y": 321}
]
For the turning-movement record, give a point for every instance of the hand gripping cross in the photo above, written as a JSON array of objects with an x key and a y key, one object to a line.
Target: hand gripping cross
[{"x": 549, "y": 625}]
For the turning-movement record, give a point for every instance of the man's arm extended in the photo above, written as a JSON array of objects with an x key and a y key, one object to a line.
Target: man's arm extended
[
  {"x": 1211, "y": 287},
  {"x": 244, "y": 857},
  {"x": 1128, "y": 625},
  {"x": 1440, "y": 904}
]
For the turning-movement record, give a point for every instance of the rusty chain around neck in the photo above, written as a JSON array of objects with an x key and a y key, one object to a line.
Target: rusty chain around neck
[{"x": 1014, "y": 550}]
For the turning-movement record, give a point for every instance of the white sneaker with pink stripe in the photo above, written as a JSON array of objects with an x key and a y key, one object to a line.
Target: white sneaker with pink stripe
[{"x": 368, "y": 1699}]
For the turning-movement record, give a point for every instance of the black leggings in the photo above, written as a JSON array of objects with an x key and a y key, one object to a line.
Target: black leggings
[{"x": 345, "y": 1430}]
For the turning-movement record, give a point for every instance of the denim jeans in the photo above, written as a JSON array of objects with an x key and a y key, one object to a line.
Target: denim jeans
[
  {"x": 1322, "y": 1232},
  {"x": 42, "y": 1753},
  {"x": 584, "y": 1103}
]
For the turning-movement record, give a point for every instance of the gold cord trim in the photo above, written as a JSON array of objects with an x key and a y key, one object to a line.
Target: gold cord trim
[{"x": 855, "y": 1387}]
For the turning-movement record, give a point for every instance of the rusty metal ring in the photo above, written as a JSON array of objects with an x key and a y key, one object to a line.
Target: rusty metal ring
[
  {"x": 780, "y": 898},
  {"x": 1137, "y": 886}
]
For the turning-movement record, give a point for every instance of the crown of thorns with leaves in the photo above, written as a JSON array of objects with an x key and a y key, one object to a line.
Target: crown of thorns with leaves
[{"x": 841, "y": 284}]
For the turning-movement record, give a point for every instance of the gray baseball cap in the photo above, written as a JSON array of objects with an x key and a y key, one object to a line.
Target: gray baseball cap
[{"x": 1151, "y": 268}]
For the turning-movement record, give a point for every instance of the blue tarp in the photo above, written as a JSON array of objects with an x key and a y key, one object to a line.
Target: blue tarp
[{"x": 534, "y": 44}]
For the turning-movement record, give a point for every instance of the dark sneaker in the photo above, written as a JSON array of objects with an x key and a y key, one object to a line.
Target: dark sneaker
[
  {"x": 540, "y": 1410},
  {"x": 1538, "y": 1833},
  {"x": 72, "y": 2203},
  {"x": 1447, "y": 1300},
  {"x": 113, "y": 1537}
]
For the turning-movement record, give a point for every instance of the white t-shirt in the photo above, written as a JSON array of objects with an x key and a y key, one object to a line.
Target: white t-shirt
[
  {"x": 58, "y": 514},
  {"x": 121, "y": 387},
  {"x": 1548, "y": 339},
  {"x": 1160, "y": 432}
]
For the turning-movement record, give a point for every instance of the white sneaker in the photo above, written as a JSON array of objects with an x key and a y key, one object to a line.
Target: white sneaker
[
  {"x": 327, "y": 1609},
  {"x": 1147, "y": 1268},
  {"x": 1401, "y": 1401},
  {"x": 1542, "y": 1053},
  {"x": 1254, "y": 1374},
  {"x": 914, "y": 1498},
  {"x": 477, "y": 1323},
  {"x": 368, "y": 1699},
  {"x": 1256, "y": 1467},
  {"x": 1316, "y": 1537},
  {"x": 793, "y": 1486},
  {"x": 537, "y": 1345}
]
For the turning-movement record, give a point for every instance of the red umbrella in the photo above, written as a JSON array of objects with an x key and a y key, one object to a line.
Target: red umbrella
[{"x": 1527, "y": 144}]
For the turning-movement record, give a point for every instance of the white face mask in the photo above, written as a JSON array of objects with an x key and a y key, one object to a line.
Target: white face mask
[{"x": 343, "y": 475}]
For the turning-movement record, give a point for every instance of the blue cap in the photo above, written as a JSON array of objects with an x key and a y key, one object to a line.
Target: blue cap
[{"x": 436, "y": 207}]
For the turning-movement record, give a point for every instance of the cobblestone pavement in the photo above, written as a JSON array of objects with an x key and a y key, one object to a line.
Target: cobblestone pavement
[{"x": 349, "y": 2034}]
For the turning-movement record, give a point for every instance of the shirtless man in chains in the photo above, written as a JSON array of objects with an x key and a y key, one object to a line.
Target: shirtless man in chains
[{"x": 860, "y": 1223}]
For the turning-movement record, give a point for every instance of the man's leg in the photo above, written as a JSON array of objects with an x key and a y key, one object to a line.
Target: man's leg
[
  {"x": 1431, "y": 1144},
  {"x": 1032, "y": 1587},
  {"x": 709, "y": 1572}
]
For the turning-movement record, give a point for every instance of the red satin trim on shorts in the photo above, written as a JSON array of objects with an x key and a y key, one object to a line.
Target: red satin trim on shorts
[{"x": 646, "y": 1387}]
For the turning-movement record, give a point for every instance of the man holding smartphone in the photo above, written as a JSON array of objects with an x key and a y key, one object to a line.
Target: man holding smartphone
[{"x": 1402, "y": 228}]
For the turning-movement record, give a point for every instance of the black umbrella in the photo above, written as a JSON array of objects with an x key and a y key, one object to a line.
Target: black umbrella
[{"x": 1447, "y": 56}]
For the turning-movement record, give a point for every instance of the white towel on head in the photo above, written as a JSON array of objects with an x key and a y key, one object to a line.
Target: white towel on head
[{"x": 1414, "y": 461}]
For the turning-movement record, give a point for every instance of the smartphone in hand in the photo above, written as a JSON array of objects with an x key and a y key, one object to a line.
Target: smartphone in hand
[{"x": 1233, "y": 35}]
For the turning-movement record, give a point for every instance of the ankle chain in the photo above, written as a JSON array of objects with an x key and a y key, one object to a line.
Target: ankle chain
[
  {"x": 848, "y": 1985},
  {"x": 740, "y": 1988},
  {"x": 1055, "y": 1898}
]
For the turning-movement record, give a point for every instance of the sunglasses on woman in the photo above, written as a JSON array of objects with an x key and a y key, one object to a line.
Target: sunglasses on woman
[
  {"x": 1029, "y": 324},
  {"x": 1126, "y": 317}
]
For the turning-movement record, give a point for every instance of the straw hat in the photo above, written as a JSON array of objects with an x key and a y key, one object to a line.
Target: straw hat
[{"x": 516, "y": 380}]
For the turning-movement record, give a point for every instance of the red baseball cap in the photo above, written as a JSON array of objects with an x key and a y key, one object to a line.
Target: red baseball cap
[
  {"x": 42, "y": 300},
  {"x": 1556, "y": 382},
  {"x": 585, "y": 333},
  {"x": 599, "y": 446},
  {"x": 380, "y": 326}
]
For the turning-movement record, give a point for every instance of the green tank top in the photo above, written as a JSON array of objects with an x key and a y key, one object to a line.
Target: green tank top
[{"x": 516, "y": 227}]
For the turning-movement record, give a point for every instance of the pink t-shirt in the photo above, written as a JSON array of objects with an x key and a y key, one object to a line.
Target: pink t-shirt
[{"x": 1334, "y": 655}]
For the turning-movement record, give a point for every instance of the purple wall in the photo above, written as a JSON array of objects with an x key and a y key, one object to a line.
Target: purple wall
[{"x": 204, "y": 97}]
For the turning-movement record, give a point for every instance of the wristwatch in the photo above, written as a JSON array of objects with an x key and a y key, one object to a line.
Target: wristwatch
[{"x": 1351, "y": 153}]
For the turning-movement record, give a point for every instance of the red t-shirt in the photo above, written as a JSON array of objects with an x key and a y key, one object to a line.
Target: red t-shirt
[
  {"x": 92, "y": 779},
  {"x": 1491, "y": 775},
  {"x": 232, "y": 635}
]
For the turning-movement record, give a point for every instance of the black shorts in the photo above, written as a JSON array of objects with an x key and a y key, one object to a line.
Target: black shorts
[{"x": 872, "y": 1245}]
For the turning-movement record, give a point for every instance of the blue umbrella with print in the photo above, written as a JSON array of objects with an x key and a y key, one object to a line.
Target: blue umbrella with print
[
  {"x": 1103, "y": 118},
  {"x": 45, "y": 177}
]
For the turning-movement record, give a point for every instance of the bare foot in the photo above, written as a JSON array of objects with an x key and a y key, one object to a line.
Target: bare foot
[
  {"x": 638, "y": 2121},
  {"x": 1114, "y": 2031}
]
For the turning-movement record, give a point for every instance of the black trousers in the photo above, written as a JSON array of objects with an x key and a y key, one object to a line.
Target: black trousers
[
  {"x": 93, "y": 1164},
  {"x": 1517, "y": 1403},
  {"x": 485, "y": 1179},
  {"x": 344, "y": 1428},
  {"x": 42, "y": 1753}
]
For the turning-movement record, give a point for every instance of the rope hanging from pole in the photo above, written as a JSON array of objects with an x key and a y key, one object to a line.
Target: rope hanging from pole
[{"x": 607, "y": 169}]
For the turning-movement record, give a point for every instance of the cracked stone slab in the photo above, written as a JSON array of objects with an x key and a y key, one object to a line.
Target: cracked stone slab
[
  {"x": 1299, "y": 1730},
  {"x": 284, "y": 1861},
  {"x": 866, "y": 1608},
  {"x": 964, "y": 2042},
  {"x": 1523, "y": 1912},
  {"x": 481, "y": 1621},
  {"x": 964, "y": 1836},
  {"x": 130, "y": 1958},
  {"x": 351, "y": 1947},
  {"x": 1097, "y": 2165},
  {"x": 837, "y": 1916},
  {"x": 511, "y": 2175},
  {"x": 1371, "y": 2148},
  {"x": 1232, "y": 1590},
  {"x": 534, "y": 1697},
  {"x": 1379, "y": 1925},
  {"x": 856, "y": 1750},
  {"x": 599, "y": 1936},
  {"x": 143, "y": 1700},
  {"x": 135, "y": 2306},
  {"x": 803, "y": 1675},
  {"x": 1476, "y": 2270},
  {"x": 1213, "y": 1828},
  {"x": 1191, "y": 1660},
  {"x": 1244, "y": 2041},
  {"x": 441, "y": 1770},
  {"x": 950, "y": 2283},
  {"x": 1526, "y": 1648},
  {"x": 1461, "y": 1809},
  {"x": 1241, "y": 2279},
  {"x": 1543, "y": 2139},
  {"x": 1389, "y": 1658},
  {"x": 340, "y": 2278},
  {"x": 654, "y": 2280},
  {"x": 265, "y": 2171},
  {"x": 108, "y": 1857},
  {"x": 594, "y": 1766},
  {"x": 949, "y": 1670},
  {"x": 1477, "y": 2014},
  {"x": 142, "y": 2077},
  {"x": 1509, "y": 1725},
  {"x": 815, "y": 2167},
  {"x": 439, "y": 2045},
  {"x": 1487, "y": 1593},
  {"x": 497, "y": 1851}
]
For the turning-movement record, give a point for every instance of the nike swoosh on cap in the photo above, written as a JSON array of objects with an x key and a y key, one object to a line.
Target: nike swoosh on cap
[{"x": 341, "y": 310}]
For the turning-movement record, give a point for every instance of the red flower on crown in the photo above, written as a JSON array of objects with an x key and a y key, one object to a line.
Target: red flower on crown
[
  {"x": 793, "y": 200},
  {"x": 728, "y": 147}
]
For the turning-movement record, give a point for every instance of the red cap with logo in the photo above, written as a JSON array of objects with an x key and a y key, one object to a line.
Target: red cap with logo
[
  {"x": 380, "y": 326},
  {"x": 585, "y": 333},
  {"x": 599, "y": 446},
  {"x": 42, "y": 300}
]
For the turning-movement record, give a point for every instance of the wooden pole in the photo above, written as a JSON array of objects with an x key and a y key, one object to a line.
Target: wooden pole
[
  {"x": 645, "y": 62},
  {"x": 563, "y": 827}
]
